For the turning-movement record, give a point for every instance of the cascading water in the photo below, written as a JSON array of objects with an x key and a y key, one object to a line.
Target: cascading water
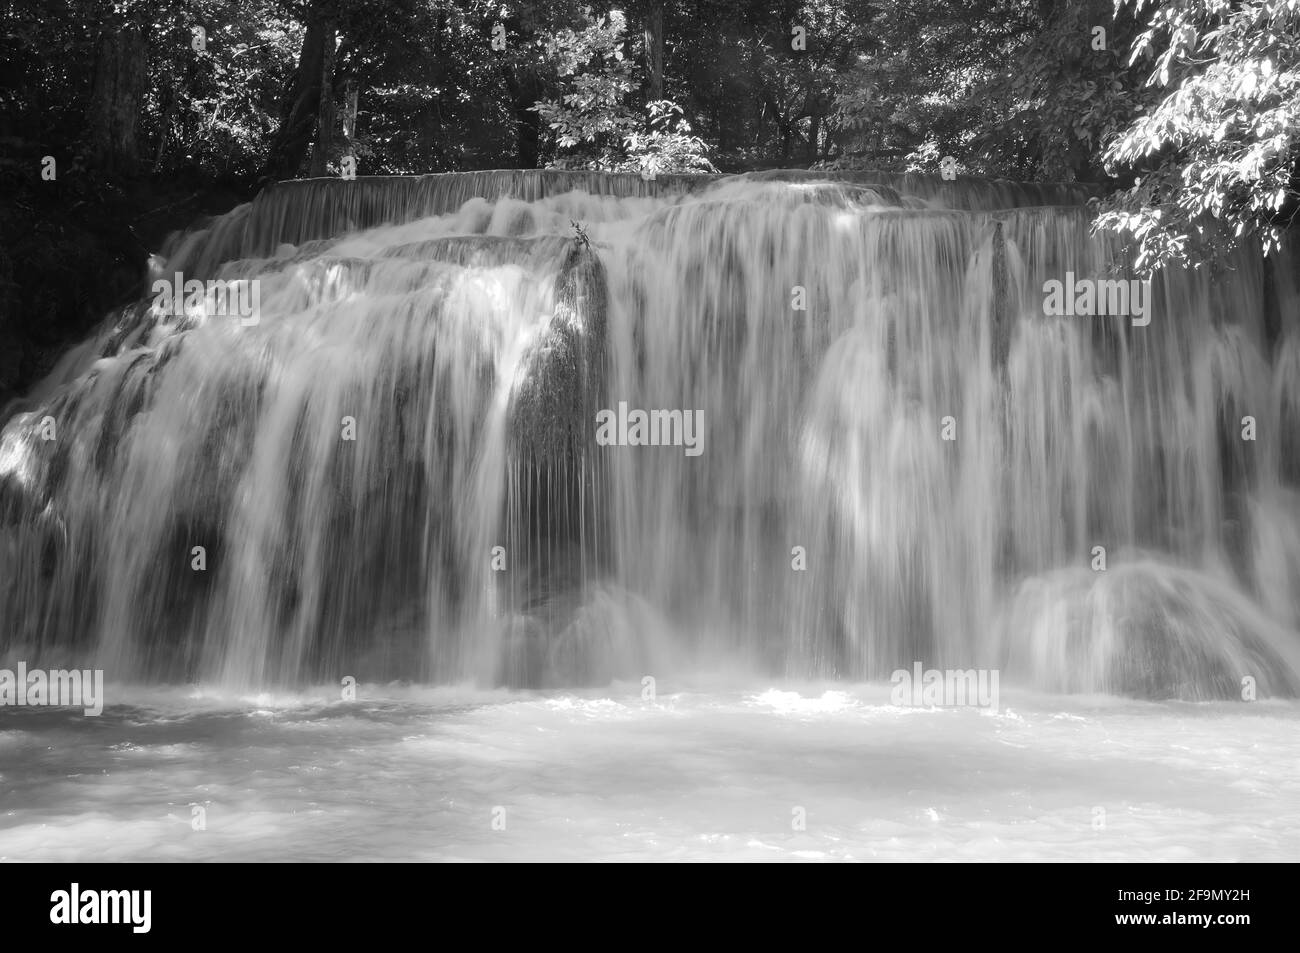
[{"x": 394, "y": 472}]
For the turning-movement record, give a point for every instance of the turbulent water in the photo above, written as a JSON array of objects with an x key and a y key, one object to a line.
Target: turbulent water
[
  {"x": 768, "y": 772},
  {"x": 394, "y": 472}
]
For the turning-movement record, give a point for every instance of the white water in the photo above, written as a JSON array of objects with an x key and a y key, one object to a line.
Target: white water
[
  {"x": 454, "y": 319},
  {"x": 706, "y": 774}
]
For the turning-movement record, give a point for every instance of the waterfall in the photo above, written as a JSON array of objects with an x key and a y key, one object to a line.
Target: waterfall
[{"x": 394, "y": 471}]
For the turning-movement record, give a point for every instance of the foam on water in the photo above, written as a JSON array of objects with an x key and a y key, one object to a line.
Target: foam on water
[{"x": 695, "y": 774}]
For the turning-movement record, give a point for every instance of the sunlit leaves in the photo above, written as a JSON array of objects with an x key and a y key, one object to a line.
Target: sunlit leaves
[
  {"x": 1218, "y": 152},
  {"x": 593, "y": 122}
]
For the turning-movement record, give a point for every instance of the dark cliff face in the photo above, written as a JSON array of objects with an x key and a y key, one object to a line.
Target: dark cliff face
[{"x": 72, "y": 251}]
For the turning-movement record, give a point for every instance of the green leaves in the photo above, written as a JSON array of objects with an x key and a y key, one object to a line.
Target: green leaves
[
  {"x": 592, "y": 122},
  {"x": 1219, "y": 150}
]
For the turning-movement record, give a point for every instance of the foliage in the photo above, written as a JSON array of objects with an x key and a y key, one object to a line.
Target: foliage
[
  {"x": 1009, "y": 88},
  {"x": 590, "y": 118},
  {"x": 1065, "y": 94},
  {"x": 1218, "y": 152},
  {"x": 593, "y": 123},
  {"x": 913, "y": 96},
  {"x": 667, "y": 146}
]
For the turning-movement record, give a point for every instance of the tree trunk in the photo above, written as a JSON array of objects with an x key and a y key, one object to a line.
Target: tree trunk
[
  {"x": 320, "y": 153},
  {"x": 351, "y": 94},
  {"x": 524, "y": 92},
  {"x": 168, "y": 91},
  {"x": 301, "y": 100},
  {"x": 117, "y": 87},
  {"x": 528, "y": 133},
  {"x": 654, "y": 53}
]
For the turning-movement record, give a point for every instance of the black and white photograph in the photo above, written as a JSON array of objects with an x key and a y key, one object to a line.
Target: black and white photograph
[{"x": 650, "y": 431}]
